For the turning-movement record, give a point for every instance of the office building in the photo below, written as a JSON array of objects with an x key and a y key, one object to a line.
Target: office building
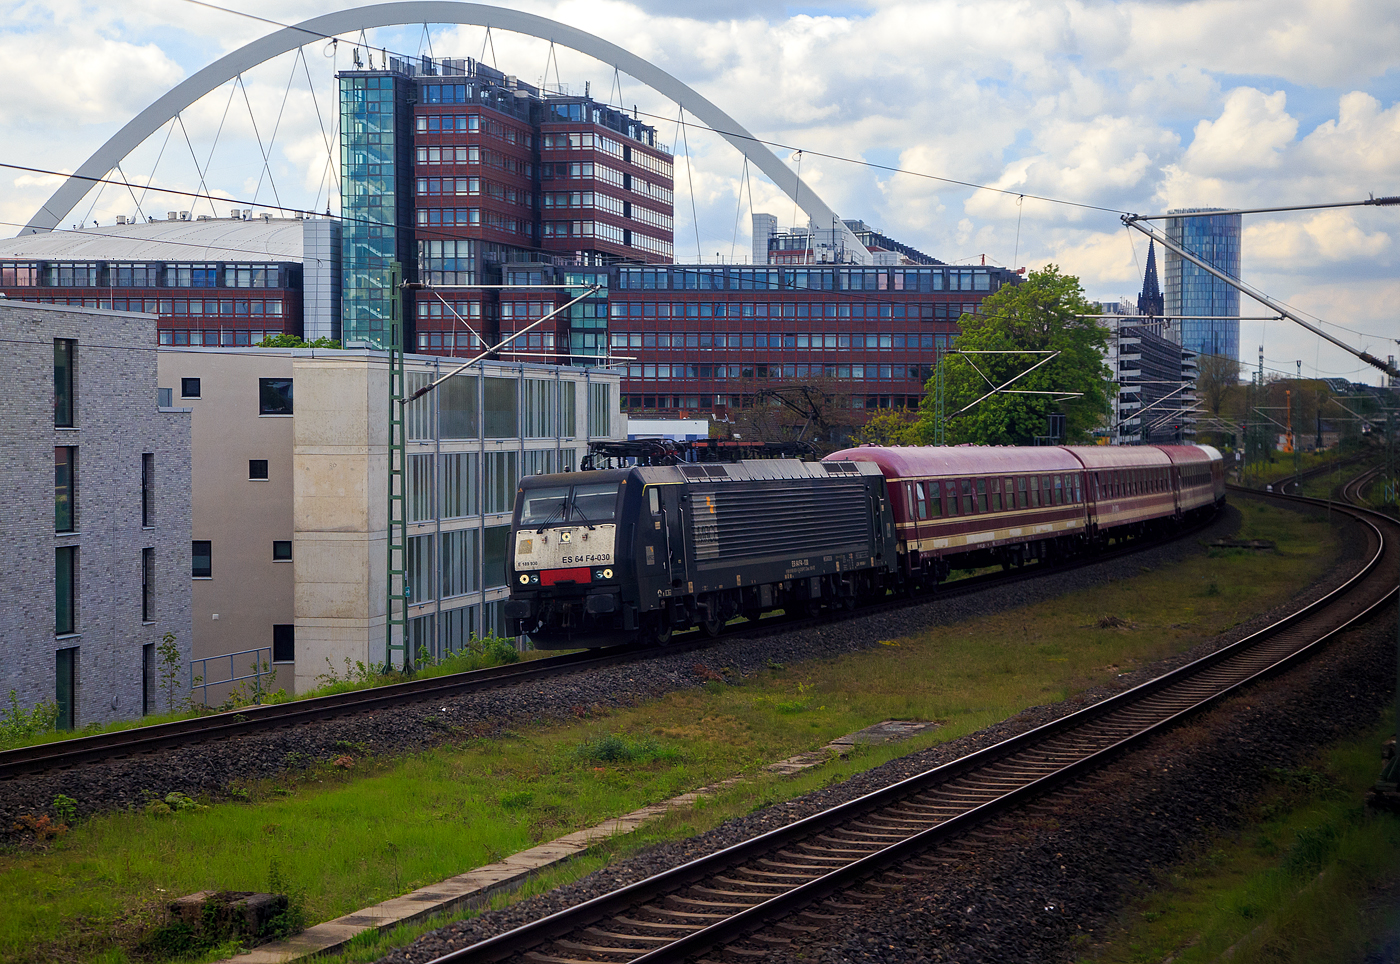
[
  {"x": 1205, "y": 309},
  {"x": 291, "y": 512},
  {"x": 96, "y": 531},
  {"x": 211, "y": 281},
  {"x": 452, "y": 168},
  {"x": 809, "y": 245}
]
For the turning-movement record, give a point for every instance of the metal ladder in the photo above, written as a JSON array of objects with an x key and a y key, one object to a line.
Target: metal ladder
[{"x": 397, "y": 587}]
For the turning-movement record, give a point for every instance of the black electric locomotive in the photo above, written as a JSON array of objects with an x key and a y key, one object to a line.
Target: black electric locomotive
[{"x": 600, "y": 557}]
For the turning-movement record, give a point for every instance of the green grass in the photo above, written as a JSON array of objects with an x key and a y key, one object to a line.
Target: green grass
[
  {"x": 1292, "y": 889},
  {"x": 365, "y": 830},
  {"x": 357, "y": 676}
]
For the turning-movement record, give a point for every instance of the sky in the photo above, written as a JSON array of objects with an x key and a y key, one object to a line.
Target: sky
[{"x": 1101, "y": 108}]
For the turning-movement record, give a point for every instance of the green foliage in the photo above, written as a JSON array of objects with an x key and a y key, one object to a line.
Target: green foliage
[
  {"x": 66, "y": 809},
  {"x": 295, "y": 341},
  {"x": 168, "y": 665},
  {"x": 18, "y": 725},
  {"x": 1042, "y": 314},
  {"x": 612, "y": 748},
  {"x": 889, "y": 427},
  {"x": 293, "y": 919}
]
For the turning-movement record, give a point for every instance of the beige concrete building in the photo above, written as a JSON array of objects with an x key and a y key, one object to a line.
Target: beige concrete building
[{"x": 291, "y": 509}]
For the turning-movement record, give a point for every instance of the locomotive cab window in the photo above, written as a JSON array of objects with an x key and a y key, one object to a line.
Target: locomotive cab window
[
  {"x": 654, "y": 500},
  {"x": 594, "y": 502},
  {"x": 544, "y": 506},
  {"x": 587, "y": 504}
]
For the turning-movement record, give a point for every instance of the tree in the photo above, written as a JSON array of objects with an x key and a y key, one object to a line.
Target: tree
[
  {"x": 1217, "y": 375},
  {"x": 815, "y": 410},
  {"x": 1044, "y": 313},
  {"x": 889, "y": 427},
  {"x": 295, "y": 341}
]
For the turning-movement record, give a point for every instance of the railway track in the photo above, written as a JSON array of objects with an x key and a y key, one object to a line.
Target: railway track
[
  {"x": 733, "y": 899},
  {"x": 85, "y": 750}
]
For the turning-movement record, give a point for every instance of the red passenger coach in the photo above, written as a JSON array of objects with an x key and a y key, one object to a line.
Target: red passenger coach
[
  {"x": 1202, "y": 475},
  {"x": 1130, "y": 488},
  {"x": 969, "y": 506},
  {"x": 978, "y": 505}
]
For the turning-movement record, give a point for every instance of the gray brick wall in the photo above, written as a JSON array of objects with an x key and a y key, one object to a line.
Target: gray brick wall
[{"x": 116, "y": 421}]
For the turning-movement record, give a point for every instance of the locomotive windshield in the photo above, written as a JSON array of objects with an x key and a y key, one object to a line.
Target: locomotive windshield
[{"x": 589, "y": 504}]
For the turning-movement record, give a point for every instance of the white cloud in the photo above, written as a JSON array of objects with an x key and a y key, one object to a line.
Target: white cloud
[{"x": 1250, "y": 134}]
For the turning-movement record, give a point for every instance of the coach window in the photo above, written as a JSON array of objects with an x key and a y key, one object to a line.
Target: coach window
[
  {"x": 922, "y": 494},
  {"x": 981, "y": 495},
  {"x": 1046, "y": 490},
  {"x": 996, "y": 495},
  {"x": 1059, "y": 492},
  {"x": 909, "y": 501},
  {"x": 950, "y": 492},
  {"x": 966, "y": 497}
]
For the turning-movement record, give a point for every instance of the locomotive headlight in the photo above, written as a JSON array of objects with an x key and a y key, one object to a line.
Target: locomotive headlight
[
  {"x": 524, "y": 579},
  {"x": 607, "y": 573},
  {"x": 601, "y": 574}
]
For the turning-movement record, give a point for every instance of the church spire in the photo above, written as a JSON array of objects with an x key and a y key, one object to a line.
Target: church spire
[{"x": 1151, "y": 302}]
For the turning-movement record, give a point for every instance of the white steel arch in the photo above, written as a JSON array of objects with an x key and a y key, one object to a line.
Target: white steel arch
[{"x": 226, "y": 68}]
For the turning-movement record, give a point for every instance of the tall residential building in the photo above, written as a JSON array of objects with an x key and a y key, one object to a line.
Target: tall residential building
[
  {"x": 1208, "y": 309},
  {"x": 95, "y": 539},
  {"x": 452, "y": 168}
]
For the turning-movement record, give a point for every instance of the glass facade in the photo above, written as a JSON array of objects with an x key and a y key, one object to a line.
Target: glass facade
[
  {"x": 1191, "y": 291},
  {"x": 468, "y": 446},
  {"x": 376, "y": 160}
]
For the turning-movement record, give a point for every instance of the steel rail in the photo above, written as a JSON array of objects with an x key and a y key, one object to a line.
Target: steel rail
[{"x": 724, "y": 897}]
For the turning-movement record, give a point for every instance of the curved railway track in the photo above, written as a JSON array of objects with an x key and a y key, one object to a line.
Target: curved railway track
[
  {"x": 732, "y": 899},
  {"x": 252, "y": 719}
]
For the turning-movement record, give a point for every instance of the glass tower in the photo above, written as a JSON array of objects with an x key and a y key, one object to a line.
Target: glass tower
[
  {"x": 1190, "y": 291},
  {"x": 376, "y": 200}
]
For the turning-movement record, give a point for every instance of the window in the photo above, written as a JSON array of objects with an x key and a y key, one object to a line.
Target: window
[
  {"x": 189, "y": 388},
  {"x": 418, "y": 577},
  {"x": 202, "y": 559},
  {"x": 257, "y": 469},
  {"x": 497, "y": 538},
  {"x": 282, "y": 550},
  {"x": 284, "y": 643},
  {"x": 459, "y": 562},
  {"x": 66, "y": 687},
  {"x": 148, "y": 679},
  {"x": 65, "y": 619},
  {"x": 65, "y": 487},
  {"x": 148, "y": 489},
  {"x": 64, "y": 381},
  {"x": 274, "y": 396},
  {"x": 148, "y": 585}
]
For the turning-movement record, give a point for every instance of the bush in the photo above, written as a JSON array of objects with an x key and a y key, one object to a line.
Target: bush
[
  {"x": 620, "y": 749},
  {"x": 18, "y": 725}
]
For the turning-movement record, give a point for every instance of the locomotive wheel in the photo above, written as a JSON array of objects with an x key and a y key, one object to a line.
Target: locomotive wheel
[
  {"x": 711, "y": 624},
  {"x": 658, "y": 630}
]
